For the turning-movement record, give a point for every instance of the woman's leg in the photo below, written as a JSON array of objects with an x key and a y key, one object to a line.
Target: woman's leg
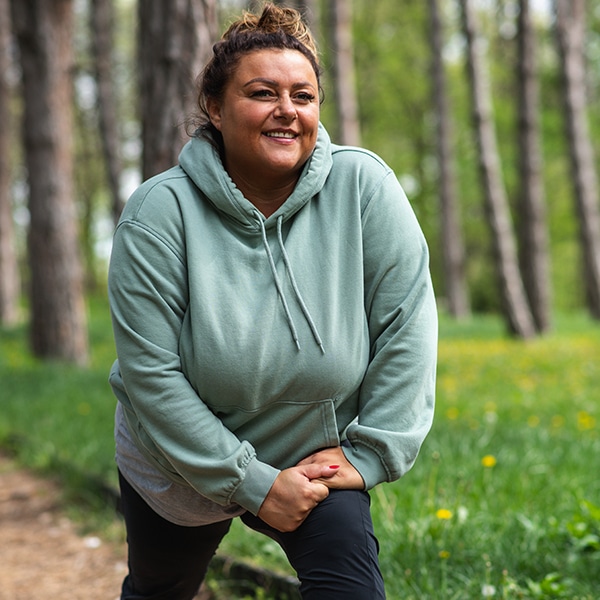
[
  {"x": 334, "y": 551},
  {"x": 166, "y": 561}
]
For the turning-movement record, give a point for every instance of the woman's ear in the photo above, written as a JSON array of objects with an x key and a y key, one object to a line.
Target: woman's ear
[{"x": 214, "y": 112}]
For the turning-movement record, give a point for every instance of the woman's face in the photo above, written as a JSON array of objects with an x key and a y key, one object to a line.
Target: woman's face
[{"x": 268, "y": 116}]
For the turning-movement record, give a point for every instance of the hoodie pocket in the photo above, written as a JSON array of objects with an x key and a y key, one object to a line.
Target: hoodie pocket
[{"x": 284, "y": 433}]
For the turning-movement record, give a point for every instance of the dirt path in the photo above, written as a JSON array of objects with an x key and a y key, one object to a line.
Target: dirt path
[{"x": 42, "y": 556}]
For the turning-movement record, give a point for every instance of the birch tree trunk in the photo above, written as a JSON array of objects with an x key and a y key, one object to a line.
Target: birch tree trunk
[
  {"x": 9, "y": 270},
  {"x": 175, "y": 40},
  {"x": 344, "y": 81},
  {"x": 514, "y": 300},
  {"x": 453, "y": 253},
  {"x": 102, "y": 26},
  {"x": 570, "y": 30},
  {"x": 58, "y": 318},
  {"x": 534, "y": 244}
]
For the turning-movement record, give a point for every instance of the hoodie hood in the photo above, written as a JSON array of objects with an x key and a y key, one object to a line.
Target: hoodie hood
[{"x": 201, "y": 161}]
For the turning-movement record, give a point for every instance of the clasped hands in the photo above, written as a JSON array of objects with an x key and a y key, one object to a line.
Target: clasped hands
[{"x": 297, "y": 490}]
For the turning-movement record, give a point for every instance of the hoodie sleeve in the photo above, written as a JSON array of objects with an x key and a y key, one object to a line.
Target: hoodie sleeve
[
  {"x": 148, "y": 294},
  {"x": 396, "y": 401}
]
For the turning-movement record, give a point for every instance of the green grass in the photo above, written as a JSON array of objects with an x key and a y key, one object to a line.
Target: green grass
[{"x": 504, "y": 501}]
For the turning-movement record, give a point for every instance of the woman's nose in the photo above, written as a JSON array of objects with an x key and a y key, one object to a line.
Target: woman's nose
[{"x": 285, "y": 108}]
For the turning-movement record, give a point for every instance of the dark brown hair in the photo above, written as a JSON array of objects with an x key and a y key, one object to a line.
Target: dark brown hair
[{"x": 276, "y": 28}]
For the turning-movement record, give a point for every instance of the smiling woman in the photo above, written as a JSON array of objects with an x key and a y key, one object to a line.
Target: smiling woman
[
  {"x": 275, "y": 328},
  {"x": 268, "y": 124}
]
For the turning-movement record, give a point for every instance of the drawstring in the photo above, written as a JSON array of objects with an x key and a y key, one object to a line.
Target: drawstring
[
  {"x": 286, "y": 262},
  {"x": 279, "y": 288}
]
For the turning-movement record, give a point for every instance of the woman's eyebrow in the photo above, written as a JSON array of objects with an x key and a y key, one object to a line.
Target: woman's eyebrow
[{"x": 274, "y": 83}]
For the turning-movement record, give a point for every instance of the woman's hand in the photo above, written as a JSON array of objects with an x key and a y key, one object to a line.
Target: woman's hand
[
  {"x": 295, "y": 492},
  {"x": 346, "y": 477}
]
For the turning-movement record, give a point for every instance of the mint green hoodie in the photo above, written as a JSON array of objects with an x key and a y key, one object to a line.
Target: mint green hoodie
[{"x": 245, "y": 344}]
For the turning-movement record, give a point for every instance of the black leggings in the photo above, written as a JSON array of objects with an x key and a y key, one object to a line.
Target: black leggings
[{"x": 334, "y": 551}]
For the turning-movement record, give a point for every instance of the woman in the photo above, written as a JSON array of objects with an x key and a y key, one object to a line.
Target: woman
[{"x": 275, "y": 329}]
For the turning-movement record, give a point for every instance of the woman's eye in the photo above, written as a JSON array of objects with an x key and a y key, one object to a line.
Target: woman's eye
[
  {"x": 262, "y": 94},
  {"x": 305, "y": 97}
]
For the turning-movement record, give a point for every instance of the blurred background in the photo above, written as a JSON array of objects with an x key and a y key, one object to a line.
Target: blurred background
[{"x": 487, "y": 110}]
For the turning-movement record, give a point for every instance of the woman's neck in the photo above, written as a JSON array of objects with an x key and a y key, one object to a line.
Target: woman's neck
[{"x": 266, "y": 197}]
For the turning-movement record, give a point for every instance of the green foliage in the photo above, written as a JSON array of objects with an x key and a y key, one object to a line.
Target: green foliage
[{"x": 503, "y": 502}]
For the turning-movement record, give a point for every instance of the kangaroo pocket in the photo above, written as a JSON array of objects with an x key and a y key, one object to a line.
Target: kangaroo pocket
[{"x": 284, "y": 433}]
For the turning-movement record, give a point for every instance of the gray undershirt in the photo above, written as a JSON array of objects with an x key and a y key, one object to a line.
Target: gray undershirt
[{"x": 179, "y": 504}]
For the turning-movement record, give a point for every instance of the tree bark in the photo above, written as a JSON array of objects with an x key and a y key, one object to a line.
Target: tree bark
[
  {"x": 175, "y": 40},
  {"x": 102, "y": 26},
  {"x": 9, "y": 269},
  {"x": 534, "y": 245},
  {"x": 514, "y": 300},
  {"x": 344, "y": 81},
  {"x": 570, "y": 30},
  {"x": 58, "y": 318},
  {"x": 453, "y": 252}
]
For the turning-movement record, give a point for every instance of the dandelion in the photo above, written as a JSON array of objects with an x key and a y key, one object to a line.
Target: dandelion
[
  {"x": 489, "y": 461},
  {"x": 585, "y": 421},
  {"x": 452, "y": 413},
  {"x": 488, "y": 591},
  {"x": 533, "y": 421},
  {"x": 444, "y": 554},
  {"x": 444, "y": 514}
]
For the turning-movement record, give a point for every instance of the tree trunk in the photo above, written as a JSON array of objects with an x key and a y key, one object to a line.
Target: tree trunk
[
  {"x": 534, "y": 245},
  {"x": 570, "y": 29},
  {"x": 344, "y": 83},
  {"x": 102, "y": 26},
  {"x": 175, "y": 40},
  {"x": 9, "y": 269},
  {"x": 58, "y": 318},
  {"x": 514, "y": 300},
  {"x": 453, "y": 252}
]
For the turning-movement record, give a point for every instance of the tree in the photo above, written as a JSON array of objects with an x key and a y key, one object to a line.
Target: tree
[
  {"x": 102, "y": 25},
  {"x": 514, "y": 300},
  {"x": 175, "y": 40},
  {"x": 453, "y": 252},
  {"x": 9, "y": 272},
  {"x": 58, "y": 319},
  {"x": 534, "y": 245},
  {"x": 344, "y": 83},
  {"x": 570, "y": 30}
]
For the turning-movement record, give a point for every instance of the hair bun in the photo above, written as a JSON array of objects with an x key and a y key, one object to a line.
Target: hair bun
[{"x": 275, "y": 18}]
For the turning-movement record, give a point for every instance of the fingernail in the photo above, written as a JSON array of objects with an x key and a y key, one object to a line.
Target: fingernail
[{"x": 334, "y": 466}]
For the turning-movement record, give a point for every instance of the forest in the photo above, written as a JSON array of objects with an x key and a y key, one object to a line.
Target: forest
[
  {"x": 487, "y": 112},
  {"x": 485, "y": 109}
]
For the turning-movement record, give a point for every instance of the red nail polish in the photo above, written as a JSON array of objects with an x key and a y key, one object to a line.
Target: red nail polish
[{"x": 334, "y": 466}]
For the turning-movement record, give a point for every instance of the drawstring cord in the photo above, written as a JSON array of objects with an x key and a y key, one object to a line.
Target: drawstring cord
[
  {"x": 279, "y": 287},
  {"x": 286, "y": 262}
]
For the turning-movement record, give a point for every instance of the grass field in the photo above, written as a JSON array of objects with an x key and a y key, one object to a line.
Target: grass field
[{"x": 504, "y": 501}]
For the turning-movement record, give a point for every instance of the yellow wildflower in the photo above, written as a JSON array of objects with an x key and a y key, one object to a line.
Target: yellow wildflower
[
  {"x": 444, "y": 514},
  {"x": 452, "y": 413},
  {"x": 489, "y": 461},
  {"x": 585, "y": 421}
]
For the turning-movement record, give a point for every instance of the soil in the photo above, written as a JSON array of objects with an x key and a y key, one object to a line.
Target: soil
[{"x": 43, "y": 555}]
